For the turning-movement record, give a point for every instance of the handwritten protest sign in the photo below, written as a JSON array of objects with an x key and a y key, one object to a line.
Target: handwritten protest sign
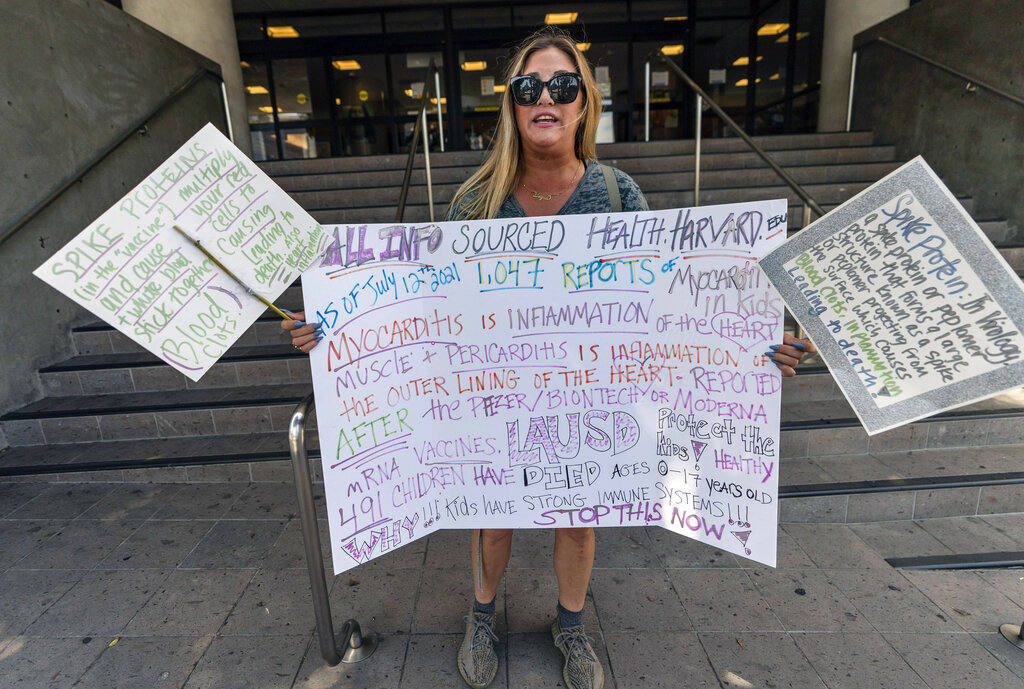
[
  {"x": 911, "y": 307},
  {"x": 132, "y": 269},
  {"x": 597, "y": 370}
]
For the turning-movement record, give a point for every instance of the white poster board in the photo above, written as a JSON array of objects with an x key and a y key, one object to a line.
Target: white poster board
[
  {"x": 592, "y": 370},
  {"x": 911, "y": 307},
  {"x": 133, "y": 270}
]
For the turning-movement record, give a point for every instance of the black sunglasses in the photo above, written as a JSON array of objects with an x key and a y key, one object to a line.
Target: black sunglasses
[{"x": 564, "y": 88}]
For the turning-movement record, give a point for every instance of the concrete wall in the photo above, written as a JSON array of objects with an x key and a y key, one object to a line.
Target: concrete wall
[
  {"x": 844, "y": 19},
  {"x": 973, "y": 138},
  {"x": 76, "y": 74},
  {"x": 208, "y": 27}
]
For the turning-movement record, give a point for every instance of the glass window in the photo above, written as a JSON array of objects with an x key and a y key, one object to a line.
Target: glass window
[
  {"x": 481, "y": 17},
  {"x": 416, "y": 21},
  {"x": 410, "y": 72},
  {"x": 300, "y": 89},
  {"x": 481, "y": 78},
  {"x": 360, "y": 88},
  {"x": 808, "y": 36},
  {"x": 359, "y": 139},
  {"x": 407, "y": 128},
  {"x": 249, "y": 28},
  {"x": 264, "y": 144},
  {"x": 720, "y": 64},
  {"x": 660, "y": 10},
  {"x": 665, "y": 85},
  {"x": 772, "y": 51},
  {"x": 805, "y": 112},
  {"x": 610, "y": 64},
  {"x": 257, "y": 92},
  {"x": 667, "y": 95},
  {"x": 478, "y": 133},
  {"x": 569, "y": 16},
  {"x": 723, "y": 8},
  {"x": 306, "y": 142},
  {"x": 330, "y": 25}
]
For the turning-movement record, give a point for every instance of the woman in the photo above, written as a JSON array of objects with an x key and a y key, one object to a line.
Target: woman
[{"x": 543, "y": 162}]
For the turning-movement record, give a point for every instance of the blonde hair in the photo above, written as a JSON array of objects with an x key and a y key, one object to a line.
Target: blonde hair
[{"x": 482, "y": 195}]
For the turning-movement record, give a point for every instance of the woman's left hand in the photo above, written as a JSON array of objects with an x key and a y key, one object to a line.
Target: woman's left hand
[{"x": 787, "y": 355}]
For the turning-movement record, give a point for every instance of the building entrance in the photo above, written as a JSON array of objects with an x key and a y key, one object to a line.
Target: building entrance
[{"x": 349, "y": 83}]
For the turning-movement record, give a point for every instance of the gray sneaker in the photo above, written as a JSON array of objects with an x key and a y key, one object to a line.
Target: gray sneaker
[
  {"x": 478, "y": 663},
  {"x": 582, "y": 669}
]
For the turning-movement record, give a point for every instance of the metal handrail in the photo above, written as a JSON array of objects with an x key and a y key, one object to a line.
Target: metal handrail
[
  {"x": 421, "y": 122},
  {"x": 130, "y": 131},
  {"x": 358, "y": 645},
  {"x": 946, "y": 68},
  {"x": 809, "y": 203}
]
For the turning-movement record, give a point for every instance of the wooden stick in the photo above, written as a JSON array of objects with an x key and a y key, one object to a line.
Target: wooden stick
[{"x": 231, "y": 275}]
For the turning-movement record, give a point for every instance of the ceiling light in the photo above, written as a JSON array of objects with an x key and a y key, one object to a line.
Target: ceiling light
[
  {"x": 267, "y": 109},
  {"x": 282, "y": 32},
  {"x": 409, "y": 93},
  {"x": 774, "y": 77},
  {"x": 499, "y": 88},
  {"x": 784, "y": 38},
  {"x": 740, "y": 61},
  {"x": 674, "y": 19},
  {"x": 476, "y": 66},
  {"x": 560, "y": 17},
  {"x": 772, "y": 29},
  {"x": 245, "y": 65},
  {"x": 672, "y": 49},
  {"x": 346, "y": 65},
  {"x": 256, "y": 90},
  {"x": 742, "y": 82},
  {"x": 582, "y": 47},
  {"x": 444, "y": 101}
]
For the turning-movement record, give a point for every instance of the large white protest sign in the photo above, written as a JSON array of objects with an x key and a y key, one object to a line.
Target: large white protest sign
[
  {"x": 133, "y": 270},
  {"x": 596, "y": 370},
  {"x": 911, "y": 307}
]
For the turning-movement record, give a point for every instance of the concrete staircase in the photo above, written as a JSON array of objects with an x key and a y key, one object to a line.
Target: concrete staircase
[{"x": 116, "y": 413}]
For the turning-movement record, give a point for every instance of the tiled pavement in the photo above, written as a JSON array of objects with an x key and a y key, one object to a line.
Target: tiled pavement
[{"x": 204, "y": 586}]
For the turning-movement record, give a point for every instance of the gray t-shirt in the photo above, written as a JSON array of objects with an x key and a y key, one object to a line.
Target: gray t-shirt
[{"x": 590, "y": 196}]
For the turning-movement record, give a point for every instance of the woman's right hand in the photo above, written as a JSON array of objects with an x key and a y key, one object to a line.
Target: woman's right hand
[{"x": 305, "y": 336}]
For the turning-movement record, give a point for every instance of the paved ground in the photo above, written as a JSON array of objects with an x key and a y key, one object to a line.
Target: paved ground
[{"x": 204, "y": 586}]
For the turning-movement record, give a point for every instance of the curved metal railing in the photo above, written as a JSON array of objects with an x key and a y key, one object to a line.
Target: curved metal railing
[{"x": 358, "y": 645}]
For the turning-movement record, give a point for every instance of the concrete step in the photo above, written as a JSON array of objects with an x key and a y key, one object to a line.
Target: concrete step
[
  {"x": 244, "y": 404},
  {"x": 735, "y": 144},
  {"x": 100, "y": 338},
  {"x": 901, "y": 485},
  {"x": 95, "y": 374},
  {"x": 617, "y": 151},
  {"x": 238, "y": 409},
  {"x": 253, "y": 456},
  {"x": 748, "y": 159},
  {"x": 677, "y": 195},
  {"x": 366, "y": 179}
]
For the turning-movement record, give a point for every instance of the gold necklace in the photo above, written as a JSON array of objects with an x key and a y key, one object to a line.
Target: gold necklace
[{"x": 547, "y": 197}]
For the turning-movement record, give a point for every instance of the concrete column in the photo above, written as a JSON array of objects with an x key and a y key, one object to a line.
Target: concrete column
[
  {"x": 207, "y": 27},
  {"x": 843, "y": 20}
]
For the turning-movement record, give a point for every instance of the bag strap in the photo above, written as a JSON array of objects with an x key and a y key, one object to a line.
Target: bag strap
[{"x": 613, "y": 188}]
